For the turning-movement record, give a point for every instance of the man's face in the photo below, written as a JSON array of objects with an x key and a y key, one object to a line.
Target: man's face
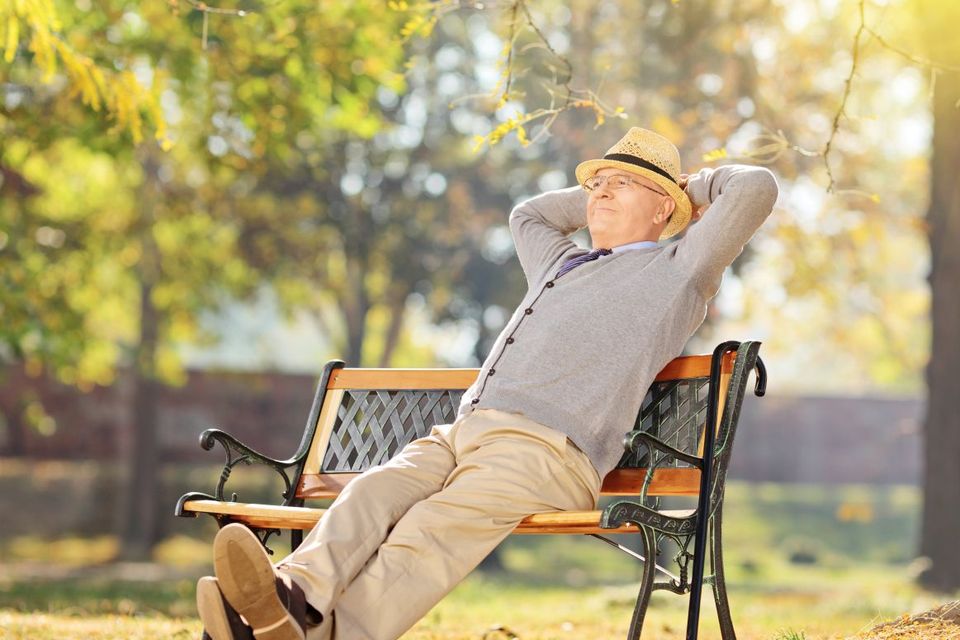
[{"x": 628, "y": 214}]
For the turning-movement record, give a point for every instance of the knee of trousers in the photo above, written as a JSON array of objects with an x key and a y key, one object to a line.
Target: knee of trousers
[{"x": 381, "y": 484}]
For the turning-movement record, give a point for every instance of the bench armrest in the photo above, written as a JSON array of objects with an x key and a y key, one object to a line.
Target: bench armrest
[
  {"x": 238, "y": 453},
  {"x": 658, "y": 453},
  {"x": 635, "y": 439}
]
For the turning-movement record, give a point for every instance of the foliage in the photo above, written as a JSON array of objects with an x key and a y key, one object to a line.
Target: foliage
[
  {"x": 36, "y": 28},
  {"x": 115, "y": 250},
  {"x": 328, "y": 155},
  {"x": 268, "y": 106},
  {"x": 74, "y": 297}
]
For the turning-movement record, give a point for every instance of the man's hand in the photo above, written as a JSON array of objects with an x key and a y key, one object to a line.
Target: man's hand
[{"x": 698, "y": 211}]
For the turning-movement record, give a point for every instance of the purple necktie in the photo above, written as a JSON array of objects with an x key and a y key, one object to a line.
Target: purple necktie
[{"x": 575, "y": 262}]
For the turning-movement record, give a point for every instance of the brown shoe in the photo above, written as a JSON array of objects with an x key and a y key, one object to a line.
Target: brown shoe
[
  {"x": 245, "y": 575},
  {"x": 220, "y": 620}
]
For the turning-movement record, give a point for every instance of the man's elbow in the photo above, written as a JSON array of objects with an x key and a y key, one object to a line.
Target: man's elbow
[
  {"x": 517, "y": 217},
  {"x": 764, "y": 186}
]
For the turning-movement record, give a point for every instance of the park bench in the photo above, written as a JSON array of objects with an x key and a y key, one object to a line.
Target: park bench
[{"x": 362, "y": 417}]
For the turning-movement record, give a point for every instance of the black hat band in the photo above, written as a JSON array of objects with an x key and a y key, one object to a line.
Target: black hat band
[{"x": 623, "y": 157}]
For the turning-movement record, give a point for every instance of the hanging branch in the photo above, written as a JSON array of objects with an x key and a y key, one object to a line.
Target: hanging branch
[
  {"x": 206, "y": 10},
  {"x": 843, "y": 100},
  {"x": 770, "y": 146},
  {"x": 563, "y": 95},
  {"x": 861, "y": 29}
]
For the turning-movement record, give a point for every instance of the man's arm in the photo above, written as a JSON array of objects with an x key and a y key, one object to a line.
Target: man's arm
[
  {"x": 540, "y": 227},
  {"x": 739, "y": 198}
]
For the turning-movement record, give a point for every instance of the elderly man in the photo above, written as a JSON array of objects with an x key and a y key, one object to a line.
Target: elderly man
[{"x": 533, "y": 433}]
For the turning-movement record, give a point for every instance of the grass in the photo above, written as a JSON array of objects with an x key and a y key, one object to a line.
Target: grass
[
  {"x": 804, "y": 563},
  {"x": 99, "y": 608}
]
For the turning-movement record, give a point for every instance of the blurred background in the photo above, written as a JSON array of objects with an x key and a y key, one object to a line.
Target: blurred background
[{"x": 202, "y": 203}]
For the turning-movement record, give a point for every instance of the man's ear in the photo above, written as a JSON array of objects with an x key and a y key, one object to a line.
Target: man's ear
[{"x": 665, "y": 210}]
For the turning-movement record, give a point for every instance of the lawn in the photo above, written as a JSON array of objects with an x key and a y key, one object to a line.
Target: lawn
[
  {"x": 818, "y": 604},
  {"x": 803, "y": 562}
]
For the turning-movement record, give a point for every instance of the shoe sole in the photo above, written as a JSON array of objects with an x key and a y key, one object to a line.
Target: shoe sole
[
  {"x": 211, "y": 609},
  {"x": 248, "y": 582}
]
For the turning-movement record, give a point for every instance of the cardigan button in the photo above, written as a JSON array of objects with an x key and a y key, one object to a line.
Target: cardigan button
[
  {"x": 550, "y": 284},
  {"x": 475, "y": 401},
  {"x": 491, "y": 372},
  {"x": 528, "y": 310},
  {"x": 510, "y": 340}
]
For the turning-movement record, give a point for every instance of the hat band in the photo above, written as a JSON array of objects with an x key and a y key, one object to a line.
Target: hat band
[{"x": 640, "y": 162}]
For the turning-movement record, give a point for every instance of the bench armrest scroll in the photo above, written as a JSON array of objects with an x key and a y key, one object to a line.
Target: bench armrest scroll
[
  {"x": 238, "y": 453},
  {"x": 635, "y": 439},
  {"x": 658, "y": 453},
  {"x": 761, "y": 386}
]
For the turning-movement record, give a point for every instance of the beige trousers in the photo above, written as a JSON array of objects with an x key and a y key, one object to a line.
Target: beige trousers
[{"x": 404, "y": 534}]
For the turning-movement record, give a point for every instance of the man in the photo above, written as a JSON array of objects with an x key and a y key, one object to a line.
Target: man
[{"x": 534, "y": 432}]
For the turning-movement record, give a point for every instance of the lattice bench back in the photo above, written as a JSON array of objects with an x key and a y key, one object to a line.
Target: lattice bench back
[{"x": 363, "y": 417}]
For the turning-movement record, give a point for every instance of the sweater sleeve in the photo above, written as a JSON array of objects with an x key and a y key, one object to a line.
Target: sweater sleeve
[
  {"x": 540, "y": 227},
  {"x": 740, "y": 198}
]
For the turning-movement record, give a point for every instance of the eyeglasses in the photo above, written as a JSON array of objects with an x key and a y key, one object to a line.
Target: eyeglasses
[{"x": 615, "y": 182}]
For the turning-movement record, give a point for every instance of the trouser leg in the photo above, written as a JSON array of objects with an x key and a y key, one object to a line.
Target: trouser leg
[
  {"x": 507, "y": 468},
  {"x": 362, "y": 515}
]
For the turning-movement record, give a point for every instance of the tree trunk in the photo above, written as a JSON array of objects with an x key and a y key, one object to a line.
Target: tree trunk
[
  {"x": 397, "y": 305},
  {"x": 141, "y": 504},
  {"x": 140, "y": 513},
  {"x": 16, "y": 430},
  {"x": 941, "y": 515},
  {"x": 355, "y": 306}
]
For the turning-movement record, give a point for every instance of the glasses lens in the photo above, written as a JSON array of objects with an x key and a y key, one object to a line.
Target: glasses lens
[{"x": 618, "y": 182}]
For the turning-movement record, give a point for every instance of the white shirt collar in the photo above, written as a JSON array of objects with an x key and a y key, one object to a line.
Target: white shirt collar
[{"x": 642, "y": 244}]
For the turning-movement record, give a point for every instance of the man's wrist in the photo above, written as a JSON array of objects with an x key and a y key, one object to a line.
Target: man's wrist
[{"x": 697, "y": 188}]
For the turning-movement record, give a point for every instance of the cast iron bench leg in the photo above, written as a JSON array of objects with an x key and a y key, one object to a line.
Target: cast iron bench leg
[
  {"x": 649, "y": 538},
  {"x": 719, "y": 585}
]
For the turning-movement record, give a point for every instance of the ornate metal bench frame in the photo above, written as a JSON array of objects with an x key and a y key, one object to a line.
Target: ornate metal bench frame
[{"x": 356, "y": 423}]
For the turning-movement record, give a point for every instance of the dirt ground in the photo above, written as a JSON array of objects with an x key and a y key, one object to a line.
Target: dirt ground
[{"x": 942, "y": 623}]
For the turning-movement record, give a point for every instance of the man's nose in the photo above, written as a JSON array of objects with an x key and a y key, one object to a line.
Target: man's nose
[{"x": 603, "y": 191}]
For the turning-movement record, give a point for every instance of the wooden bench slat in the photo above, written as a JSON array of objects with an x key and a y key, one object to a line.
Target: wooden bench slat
[
  {"x": 620, "y": 482},
  {"x": 402, "y": 378},
  {"x": 260, "y": 515},
  {"x": 266, "y": 515},
  {"x": 580, "y": 522},
  {"x": 665, "y": 482},
  {"x": 371, "y": 378}
]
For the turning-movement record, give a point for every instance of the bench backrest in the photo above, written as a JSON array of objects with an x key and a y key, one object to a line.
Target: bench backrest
[{"x": 363, "y": 417}]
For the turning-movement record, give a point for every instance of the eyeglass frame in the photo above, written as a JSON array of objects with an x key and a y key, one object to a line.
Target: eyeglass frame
[{"x": 618, "y": 175}]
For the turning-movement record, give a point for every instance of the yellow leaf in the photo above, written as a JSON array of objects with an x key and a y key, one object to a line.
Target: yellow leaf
[
  {"x": 715, "y": 154},
  {"x": 13, "y": 38},
  {"x": 522, "y": 136},
  {"x": 669, "y": 129}
]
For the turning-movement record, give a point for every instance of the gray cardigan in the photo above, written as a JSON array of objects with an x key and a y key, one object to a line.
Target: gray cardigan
[{"x": 580, "y": 352}]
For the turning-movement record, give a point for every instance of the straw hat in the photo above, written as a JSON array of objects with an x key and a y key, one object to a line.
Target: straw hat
[{"x": 648, "y": 154}]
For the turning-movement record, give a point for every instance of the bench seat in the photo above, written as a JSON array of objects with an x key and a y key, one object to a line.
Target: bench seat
[{"x": 272, "y": 516}]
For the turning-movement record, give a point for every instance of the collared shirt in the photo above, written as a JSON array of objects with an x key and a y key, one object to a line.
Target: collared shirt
[{"x": 641, "y": 244}]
